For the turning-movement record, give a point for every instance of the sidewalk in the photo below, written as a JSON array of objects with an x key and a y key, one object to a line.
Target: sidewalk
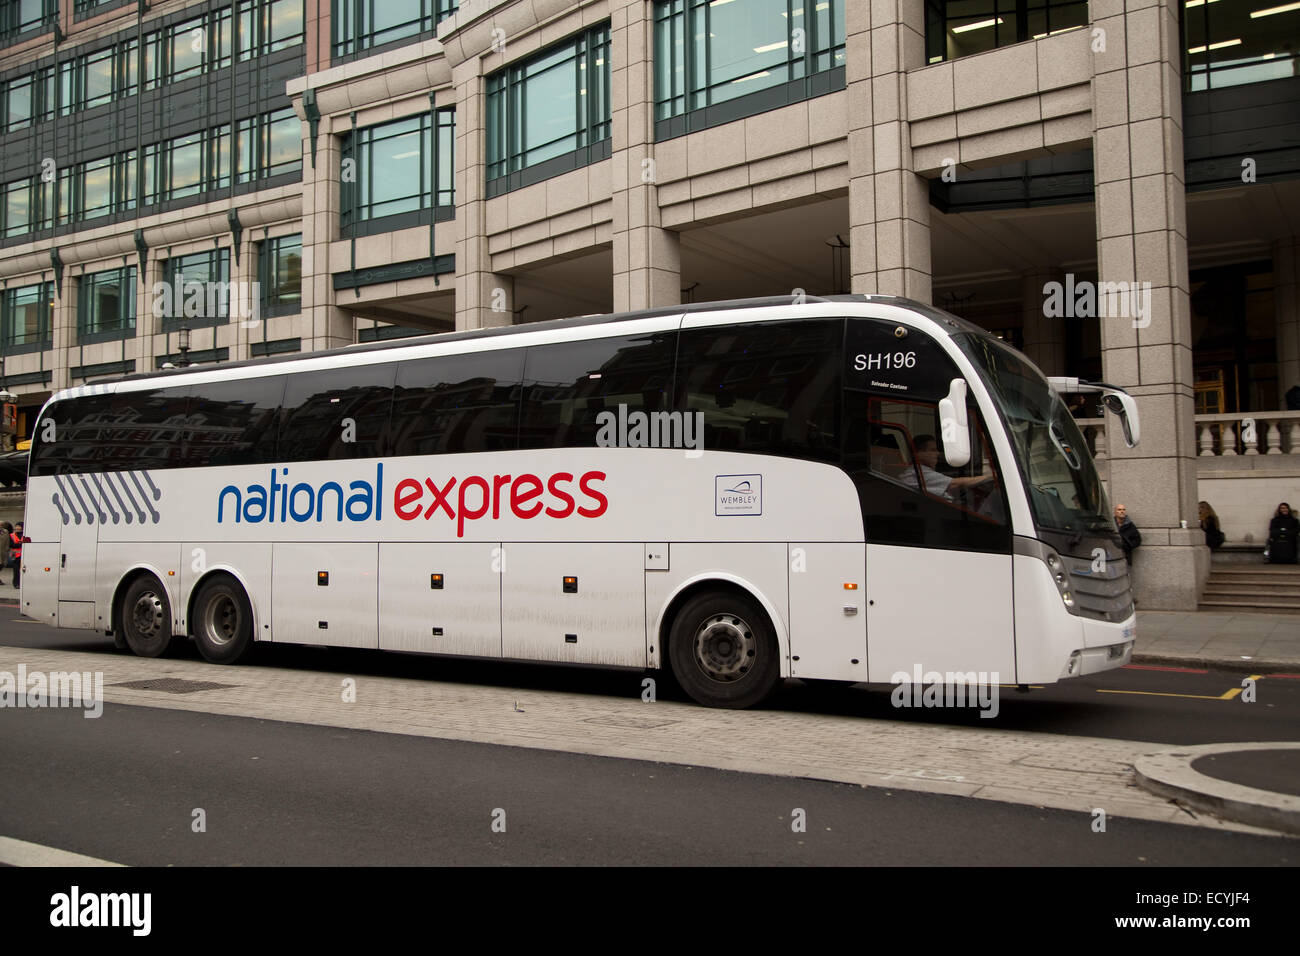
[{"x": 1254, "y": 642}]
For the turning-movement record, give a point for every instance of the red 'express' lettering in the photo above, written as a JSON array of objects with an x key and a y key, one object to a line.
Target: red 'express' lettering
[{"x": 477, "y": 494}]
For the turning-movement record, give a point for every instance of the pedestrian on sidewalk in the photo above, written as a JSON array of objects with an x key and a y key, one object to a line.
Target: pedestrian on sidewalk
[
  {"x": 1283, "y": 532},
  {"x": 6, "y": 529},
  {"x": 1129, "y": 535},
  {"x": 1214, "y": 535},
  {"x": 16, "y": 551}
]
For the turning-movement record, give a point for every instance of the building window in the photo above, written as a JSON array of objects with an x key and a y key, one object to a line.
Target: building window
[
  {"x": 279, "y": 270},
  {"x": 106, "y": 305},
  {"x": 16, "y": 212},
  {"x": 550, "y": 113},
  {"x": 269, "y": 25},
  {"x": 742, "y": 59},
  {"x": 1229, "y": 44},
  {"x": 268, "y": 145},
  {"x": 23, "y": 16},
  {"x": 199, "y": 290},
  {"x": 186, "y": 50},
  {"x": 25, "y": 316},
  {"x": 401, "y": 169},
  {"x": 363, "y": 25},
  {"x": 957, "y": 28}
]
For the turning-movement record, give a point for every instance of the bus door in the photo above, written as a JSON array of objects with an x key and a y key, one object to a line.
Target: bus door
[
  {"x": 81, "y": 508},
  {"x": 938, "y": 554}
]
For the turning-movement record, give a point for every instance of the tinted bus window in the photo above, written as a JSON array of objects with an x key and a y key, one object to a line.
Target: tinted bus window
[
  {"x": 64, "y": 437},
  {"x": 337, "y": 413},
  {"x": 457, "y": 403},
  {"x": 234, "y": 423},
  {"x": 770, "y": 388},
  {"x": 568, "y": 385},
  {"x": 140, "y": 430}
]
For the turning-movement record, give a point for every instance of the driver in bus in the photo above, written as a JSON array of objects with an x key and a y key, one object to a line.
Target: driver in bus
[{"x": 936, "y": 482}]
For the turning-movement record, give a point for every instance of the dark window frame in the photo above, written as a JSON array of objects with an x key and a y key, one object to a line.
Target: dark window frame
[
  {"x": 9, "y": 343},
  {"x": 267, "y": 251},
  {"x": 126, "y": 277},
  {"x": 436, "y": 204},
  {"x": 349, "y": 40},
  {"x": 812, "y": 73},
  {"x": 1018, "y": 31},
  {"x": 218, "y": 264},
  {"x": 506, "y": 107}
]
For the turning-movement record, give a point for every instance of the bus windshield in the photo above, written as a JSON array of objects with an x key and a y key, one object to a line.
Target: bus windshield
[{"x": 1065, "y": 491}]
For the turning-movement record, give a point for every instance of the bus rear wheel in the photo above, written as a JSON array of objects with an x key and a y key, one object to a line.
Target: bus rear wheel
[
  {"x": 222, "y": 621},
  {"x": 146, "y": 617},
  {"x": 723, "y": 650}
]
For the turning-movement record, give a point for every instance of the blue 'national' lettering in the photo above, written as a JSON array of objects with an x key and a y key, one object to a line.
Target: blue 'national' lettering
[{"x": 303, "y": 501}]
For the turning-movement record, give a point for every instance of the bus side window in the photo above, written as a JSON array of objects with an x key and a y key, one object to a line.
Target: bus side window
[
  {"x": 567, "y": 386},
  {"x": 769, "y": 388},
  {"x": 234, "y": 422},
  {"x": 337, "y": 413},
  {"x": 457, "y": 403},
  {"x": 143, "y": 429}
]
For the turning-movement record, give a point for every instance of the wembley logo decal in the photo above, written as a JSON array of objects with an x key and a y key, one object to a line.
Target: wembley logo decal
[{"x": 127, "y": 495}]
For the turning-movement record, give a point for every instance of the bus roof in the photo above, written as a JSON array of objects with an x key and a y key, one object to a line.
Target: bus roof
[{"x": 553, "y": 324}]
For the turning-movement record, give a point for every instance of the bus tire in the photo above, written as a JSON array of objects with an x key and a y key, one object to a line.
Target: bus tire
[
  {"x": 723, "y": 650},
  {"x": 222, "y": 621},
  {"x": 146, "y": 617}
]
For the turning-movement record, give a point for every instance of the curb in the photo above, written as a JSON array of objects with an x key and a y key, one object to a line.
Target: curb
[
  {"x": 1252, "y": 666},
  {"x": 1169, "y": 773}
]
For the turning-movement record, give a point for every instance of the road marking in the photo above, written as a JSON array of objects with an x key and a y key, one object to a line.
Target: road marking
[
  {"x": 1155, "y": 693},
  {"x": 21, "y": 853}
]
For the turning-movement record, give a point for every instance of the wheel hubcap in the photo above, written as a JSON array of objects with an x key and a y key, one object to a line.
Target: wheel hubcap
[
  {"x": 725, "y": 647},
  {"x": 147, "y": 615},
  {"x": 221, "y": 620}
]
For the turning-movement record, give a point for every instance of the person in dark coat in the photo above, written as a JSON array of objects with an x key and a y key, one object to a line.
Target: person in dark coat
[
  {"x": 1129, "y": 535},
  {"x": 1214, "y": 535},
  {"x": 1283, "y": 532}
]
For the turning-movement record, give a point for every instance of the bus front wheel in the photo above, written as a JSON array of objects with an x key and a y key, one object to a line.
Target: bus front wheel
[
  {"x": 723, "y": 650},
  {"x": 223, "y": 621},
  {"x": 146, "y": 617}
]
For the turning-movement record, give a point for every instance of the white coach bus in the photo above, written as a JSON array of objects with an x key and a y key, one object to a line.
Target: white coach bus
[{"x": 835, "y": 489}]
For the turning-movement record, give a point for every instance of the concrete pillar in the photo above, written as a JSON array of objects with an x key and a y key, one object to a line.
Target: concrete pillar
[
  {"x": 889, "y": 205},
  {"x": 1044, "y": 336},
  {"x": 647, "y": 258},
  {"x": 322, "y": 323},
  {"x": 63, "y": 329},
  {"x": 483, "y": 298},
  {"x": 1286, "y": 305},
  {"x": 1142, "y": 238}
]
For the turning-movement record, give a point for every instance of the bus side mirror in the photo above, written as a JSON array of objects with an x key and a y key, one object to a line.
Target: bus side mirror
[
  {"x": 952, "y": 421},
  {"x": 1122, "y": 405}
]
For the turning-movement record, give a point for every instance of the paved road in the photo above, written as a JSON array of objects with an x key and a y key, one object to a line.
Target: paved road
[
  {"x": 124, "y": 788},
  {"x": 1177, "y": 706}
]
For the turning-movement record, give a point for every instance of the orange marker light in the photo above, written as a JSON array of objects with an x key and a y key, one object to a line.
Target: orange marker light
[
  {"x": 850, "y": 586},
  {"x": 171, "y": 574}
]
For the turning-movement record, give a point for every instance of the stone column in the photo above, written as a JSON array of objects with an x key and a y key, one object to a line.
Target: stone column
[
  {"x": 322, "y": 323},
  {"x": 483, "y": 298},
  {"x": 1044, "y": 335},
  {"x": 1286, "y": 305},
  {"x": 647, "y": 258},
  {"x": 889, "y": 205},
  {"x": 1142, "y": 238},
  {"x": 63, "y": 329}
]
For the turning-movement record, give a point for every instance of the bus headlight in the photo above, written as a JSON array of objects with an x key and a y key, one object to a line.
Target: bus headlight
[{"x": 1060, "y": 573}]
